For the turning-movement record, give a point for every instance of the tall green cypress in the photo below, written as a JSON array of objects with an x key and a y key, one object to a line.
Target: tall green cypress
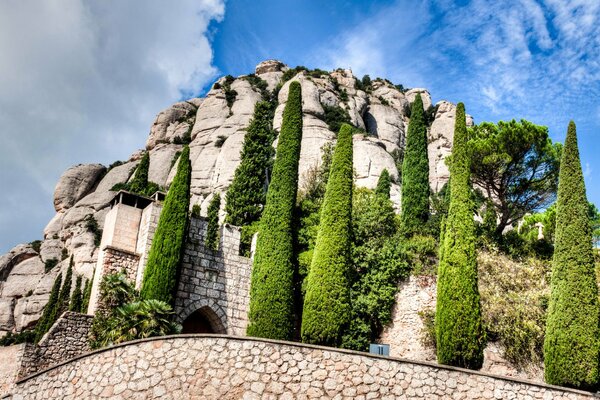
[
  {"x": 140, "y": 181},
  {"x": 77, "y": 297},
  {"x": 160, "y": 275},
  {"x": 272, "y": 283},
  {"x": 212, "y": 230},
  {"x": 42, "y": 325},
  {"x": 65, "y": 292},
  {"x": 383, "y": 184},
  {"x": 87, "y": 293},
  {"x": 415, "y": 173},
  {"x": 459, "y": 332},
  {"x": 245, "y": 197},
  {"x": 571, "y": 345},
  {"x": 326, "y": 311}
]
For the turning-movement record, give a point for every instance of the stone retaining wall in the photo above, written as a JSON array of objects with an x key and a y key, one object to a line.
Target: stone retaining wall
[{"x": 221, "y": 367}]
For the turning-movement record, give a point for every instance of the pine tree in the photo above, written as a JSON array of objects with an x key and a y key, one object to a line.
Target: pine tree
[
  {"x": 140, "y": 181},
  {"x": 459, "y": 332},
  {"x": 77, "y": 296},
  {"x": 42, "y": 325},
  {"x": 65, "y": 292},
  {"x": 87, "y": 293},
  {"x": 326, "y": 309},
  {"x": 246, "y": 196},
  {"x": 212, "y": 230},
  {"x": 383, "y": 184},
  {"x": 160, "y": 275},
  {"x": 571, "y": 347},
  {"x": 272, "y": 283},
  {"x": 415, "y": 173}
]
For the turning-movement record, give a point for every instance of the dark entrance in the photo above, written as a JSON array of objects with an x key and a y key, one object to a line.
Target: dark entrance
[{"x": 203, "y": 320}]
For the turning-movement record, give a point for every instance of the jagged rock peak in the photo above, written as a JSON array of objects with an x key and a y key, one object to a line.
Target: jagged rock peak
[{"x": 270, "y": 66}]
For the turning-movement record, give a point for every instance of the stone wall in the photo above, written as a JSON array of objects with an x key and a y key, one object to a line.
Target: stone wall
[
  {"x": 67, "y": 338},
  {"x": 220, "y": 367},
  {"x": 405, "y": 333},
  {"x": 116, "y": 260},
  {"x": 216, "y": 282},
  {"x": 11, "y": 357},
  {"x": 148, "y": 225}
]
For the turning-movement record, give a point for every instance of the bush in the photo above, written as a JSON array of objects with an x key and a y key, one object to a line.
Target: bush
[
  {"x": 212, "y": 230},
  {"x": 290, "y": 73},
  {"x": 260, "y": 84},
  {"x": 220, "y": 141},
  {"x": 272, "y": 282},
  {"x": 327, "y": 301},
  {"x": 49, "y": 313},
  {"x": 76, "y": 302},
  {"x": 87, "y": 293},
  {"x": 571, "y": 346},
  {"x": 335, "y": 116},
  {"x": 140, "y": 179},
  {"x": 415, "y": 173},
  {"x": 92, "y": 226},
  {"x": 36, "y": 245},
  {"x": 383, "y": 101},
  {"x": 230, "y": 94},
  {"x": 460, "y": 336},
  {"x": 26, "y": 336},
  {"x": 49, "y": 264},
  {"x": 65, "y": 292},
  {"x": 160, "y": 275}
]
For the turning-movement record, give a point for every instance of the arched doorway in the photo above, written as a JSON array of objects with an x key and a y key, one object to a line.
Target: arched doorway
[{"x": 203, "y": 320}]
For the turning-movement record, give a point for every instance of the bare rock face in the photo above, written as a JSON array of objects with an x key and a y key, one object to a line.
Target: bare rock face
[
  {"x": 172, "y": 122},
  {"x": 119, "y": 174},
  {"x": 271, "y": 71},
  {"x": 425, "y": 96},
  {"x": 75, "y": 183}
]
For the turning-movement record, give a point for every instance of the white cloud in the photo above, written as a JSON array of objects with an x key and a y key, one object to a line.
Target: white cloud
[{"x": 82, "y": 84}]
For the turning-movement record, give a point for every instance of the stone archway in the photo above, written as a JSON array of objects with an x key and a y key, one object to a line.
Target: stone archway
[{"x": 203, "y": 316}]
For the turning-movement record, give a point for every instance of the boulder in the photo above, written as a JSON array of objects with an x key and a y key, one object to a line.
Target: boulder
[
  {"x": 387, "y": 124},
  {"x": 118, "y": 174},
  {"x": 75, "y": 183},
  {"x": 411, "y": 94},
  {"x": 173, "y": 121}
]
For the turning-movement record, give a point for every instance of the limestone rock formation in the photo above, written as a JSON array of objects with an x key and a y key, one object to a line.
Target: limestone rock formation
[{"x": 215, "y": 127}]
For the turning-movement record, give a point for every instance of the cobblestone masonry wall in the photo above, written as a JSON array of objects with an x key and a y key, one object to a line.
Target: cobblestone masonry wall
[
  {"x": 215, "y": 281},
  {"x": 404, "y": 334},
  {"x": 66, "y": 339},
  {"x": 11, "y": 357},
  {"x": 117, "y": 260},
  {"x": 213, "y": 367}
]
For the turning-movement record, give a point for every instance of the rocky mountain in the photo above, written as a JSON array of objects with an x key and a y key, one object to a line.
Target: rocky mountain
[{"x": 215, "y": 126}]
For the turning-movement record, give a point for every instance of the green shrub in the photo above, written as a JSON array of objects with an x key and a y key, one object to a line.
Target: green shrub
[
  {"x": 36, "y": 245},
  {"x": 140, "y": 179},
  {"x": 76, "y": 302},
  {"x": 87, "y": 293},
  {"x": 427, "y": 338},
  {"x": 92, "y": 226},
  {"x": 335, "y": 116},
  {"x": 272, "y": 282},
  {"x": 422, "y": 253},
  {"x": 246, "y": 195},
  {"x": 290, "y": 73},
  {"x": 343, "y": 95},
  {"x": 64, "y": 254},
  {"x": 65, "y": 292},
  {"x": 460, "y": 336},
  {"x": 46, "y": 320},
  {"x": 415, "y": 173},
  {"x": 160, "y": 275},
  {"x": 26, "y": 336},
  {"x": 220, "y": 141},
  {"x": 327, "y": 301},
  {"x": 383, "y": 101},
  {"x": 230, "y": 94},
  {"x": 212, "y": 230},
  {"x": 49, "y": 264},
  {"x": 384, "y": 184},
  {"x": 571, "y": 346},
  {"x": 196, "y": 210},
  {"x": 260, "y": 84}
]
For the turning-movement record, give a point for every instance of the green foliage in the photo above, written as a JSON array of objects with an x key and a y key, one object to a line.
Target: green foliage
[
  {"x": 595, "y": 223},
  {"x": 528, "y": 232},
  {"x": 290, "y": 73},
  {"x": 36, "y": 245},
  {"x": 26, "y": 336},
  {"x": 212, "y": 230},
  {"x": 65, "y": 291},
  {"x": 343, "y": 95},
  {"x": 92, "y": 226},
  {"x": 123, "y": 316},
  {"x": 186, "y": 138},
  {"x": 415, "y": 173},
  {"x": 384, "y": 184},
  {"x": 260, "y": 84},
  {"x": 140, "y": 179},
  {"x": 76, "y": 302},
  {"x": 379, "y": 261},
  {"x": 246, "y": 195},
  {"x": 220, "y": 141},
  {"x": 428, "y": 331},
  {"x": 327, "y": 301},
  {"x": 46, "y": 320},
  {"x": 196, "y": 210},
  {"x": 160, "y": 276},
  {"x": 50, "y": 263},
  {"x": 517, "y": 165},
  {"x": 64, "y": 254},
  {"x": 87, "y": 293},
  {"x": 422, "y": 254},
  {"x": 335, "y": 116},
  {"x": 272, "y": 280},
  {"x": 230, "y": 94},
  {"x": 514, "y": 299},
  {"x": 383, "y": 101},
  {"x": 459, "y": 332},
  {"x": 571, "y": 347}
]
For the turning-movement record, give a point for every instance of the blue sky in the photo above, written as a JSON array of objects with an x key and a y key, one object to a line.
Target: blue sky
[{"x": 82, "y": 84}]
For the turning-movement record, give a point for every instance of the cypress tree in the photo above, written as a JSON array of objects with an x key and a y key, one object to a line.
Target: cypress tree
[
  {"x": 160, "y": 275},
  {"x": 212, "y": 230},
  {"x": 77, "y": 296},
  {"x": 415, "y": 173},
  {"x": 326, "y": 309},
  {"x": 571, "y": 348},
  {"x": 65, "y": 292},
  {"x": 272, "y": 283},
  {"x": 87, "y": 293},
  {"x": 245, "y": 197},
  {"x": 384, "y": 184},
  {"x": 42, "y": 325},
  {"x": 459, "y": 332},
  {"x": 140, "y": 181}
]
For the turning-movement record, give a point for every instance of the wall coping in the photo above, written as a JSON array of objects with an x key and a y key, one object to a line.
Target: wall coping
[{"x": 308, "y": 346}]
